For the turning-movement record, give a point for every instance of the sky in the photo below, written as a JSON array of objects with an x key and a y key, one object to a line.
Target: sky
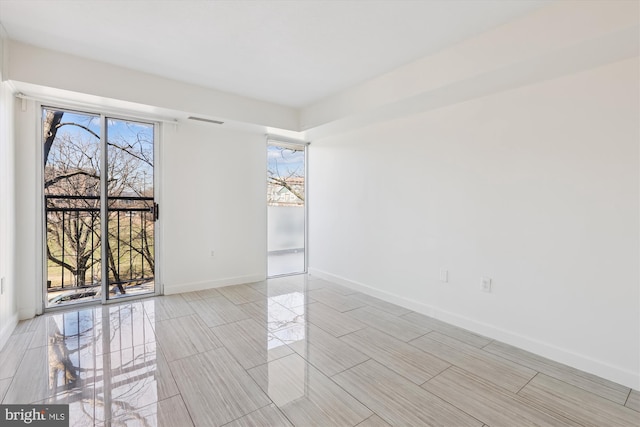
[
  {"x": 285, "y": 161},
  {"x": 136, "y": 137}
]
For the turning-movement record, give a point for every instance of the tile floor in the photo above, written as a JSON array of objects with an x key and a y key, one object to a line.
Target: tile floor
[{"x": 291, "y": 351}]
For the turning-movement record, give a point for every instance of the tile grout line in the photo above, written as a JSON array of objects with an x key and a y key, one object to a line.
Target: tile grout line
[
  {"x": 355, "y": 398},
  {"x": 184, "y": 403},
  {"x": 453, "y": 326},
  {"x": 527, "y": 383},
  {"x": 368, "y": 418},
  {"x": 256, "y": 410},
  {"x": 246, "y": 371},
  {"x": 13, "y": 377},
  {"x": 597, "y": 396},
  {"x": 445, "y": 400},
  {"x": 7, "y": 390},
  {"x": 527, "y": 402},
  {"x": 367, "y": 325},
  {"x": 628, "y": 397},
  {"x": 324, "y": 330},
  {"x": 317, "y": 367},
  {"x": 416, "y": 338},
  {"x": 344, "y": 370},
  {"x": 283, "y": 413},
  {"x": 439, "y": 373},
  {"x": 519, "y": 361},
  {"x": 548, "y": 410},
  {"x": 346, "y": 311},
  {"x": 487, "y": 344},
  {"x": 414, "y": 347}
]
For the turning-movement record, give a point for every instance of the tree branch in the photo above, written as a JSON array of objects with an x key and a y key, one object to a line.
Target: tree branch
[
  {"x": 68, "y": 175},
  {"x": 81, "y": 127},
  {"x": 59, "y": 262},
  {"x": 283, "y": 183},
  {"x": 131, "y": 153}
]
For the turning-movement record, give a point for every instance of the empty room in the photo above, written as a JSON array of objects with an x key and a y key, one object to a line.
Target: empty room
[{"x": 320, "y": 213}]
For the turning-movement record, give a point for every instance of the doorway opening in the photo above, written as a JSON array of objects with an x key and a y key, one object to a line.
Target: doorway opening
[
  {"x": 286, "y": 208},
  {"x": 99, "y": 207}
]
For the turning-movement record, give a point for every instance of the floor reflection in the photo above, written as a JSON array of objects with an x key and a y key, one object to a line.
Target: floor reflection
[
  {"x": 286, "y": 317},
  {"x": 60, "y": 364},
  {"x": 287, "y": 380},
  {"x": 105, "y": 364},
  {"x": 286, "y": 377},
  {"x": 110, "y": 367}
]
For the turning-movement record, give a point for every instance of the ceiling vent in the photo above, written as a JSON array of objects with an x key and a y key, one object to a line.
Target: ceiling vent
[{"x": 200, "y": 119}]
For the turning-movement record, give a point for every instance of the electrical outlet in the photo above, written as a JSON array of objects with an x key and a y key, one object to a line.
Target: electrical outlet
[
  {"x": 213, "y": 253},
  {"x": 2, "y": 286},
  {"x": 444, "y": 275},
  {"x": 485, "y": 284}
]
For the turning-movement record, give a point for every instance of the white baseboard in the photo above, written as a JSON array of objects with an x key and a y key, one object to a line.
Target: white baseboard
[
  {"x": 209, "y": 284},
  {"x": 7, "y": 330},
  {"x": 561, "y": 355}
]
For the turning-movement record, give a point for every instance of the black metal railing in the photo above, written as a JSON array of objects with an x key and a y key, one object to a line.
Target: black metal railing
[{"x": 74, "y": 238}]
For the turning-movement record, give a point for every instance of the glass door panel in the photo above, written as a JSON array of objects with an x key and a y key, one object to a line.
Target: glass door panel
[
  {"x": 72, "y": 151},
  {"x": 131, "y": 209},
  {"x": 285, "y": 209}
]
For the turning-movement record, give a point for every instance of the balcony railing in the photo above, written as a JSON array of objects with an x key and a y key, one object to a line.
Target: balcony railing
[{"x": 74, "y": 238}]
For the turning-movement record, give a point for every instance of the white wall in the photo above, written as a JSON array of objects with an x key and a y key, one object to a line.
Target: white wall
[
  {"x": 8, "y": 305},
  {"x": 535, "y": 187},
  {"x": 213, "y": 198}
]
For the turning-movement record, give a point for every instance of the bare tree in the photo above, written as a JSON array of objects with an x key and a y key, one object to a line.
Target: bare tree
[
  {"x": 72, "y": 185},
  {"x": 72, "y": 219},
  {"x": 50, "y": 129},
  {"x": 130, "y": 164},
  {"x": 291, "y": 179}
]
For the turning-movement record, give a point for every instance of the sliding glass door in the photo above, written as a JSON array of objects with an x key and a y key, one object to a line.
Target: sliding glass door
[
  {"x": 130, "y": 208},
  {"x": 99, "y": 207},
  {"x": 286, "y": 214}
]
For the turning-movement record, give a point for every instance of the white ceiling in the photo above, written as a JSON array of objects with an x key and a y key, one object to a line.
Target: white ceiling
[{"x": 291, "y": 53}]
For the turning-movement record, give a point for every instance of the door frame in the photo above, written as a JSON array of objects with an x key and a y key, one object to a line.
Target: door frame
[
  {"x": 278, "y": 140},
  {"x": 41, "y": 232}
]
